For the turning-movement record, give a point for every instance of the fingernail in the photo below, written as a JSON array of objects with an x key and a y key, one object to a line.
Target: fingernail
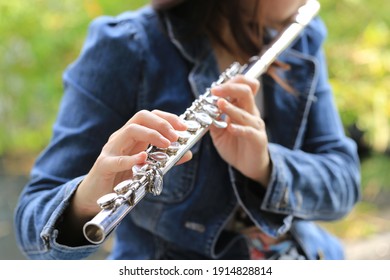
[
  {"x": 183, "y": 124},
  {"x": 164, "y": 141},
  {"x": 141, "y": 156},
  {"x": 223, "y": 102}
]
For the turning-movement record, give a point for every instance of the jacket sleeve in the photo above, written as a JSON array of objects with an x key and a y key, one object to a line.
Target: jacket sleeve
[
  {"x": 318, "y": 180},
  {"x": 98, "y": 99}
]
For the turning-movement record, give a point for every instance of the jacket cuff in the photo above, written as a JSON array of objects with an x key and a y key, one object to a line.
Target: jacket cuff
[
  {"x": 251, "y": 197},
  {"x": 49, "y": 234},
  {"x": 276, "y": 197}
]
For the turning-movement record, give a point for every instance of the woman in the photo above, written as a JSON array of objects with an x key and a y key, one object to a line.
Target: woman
[{"x": 250, "y": 191}]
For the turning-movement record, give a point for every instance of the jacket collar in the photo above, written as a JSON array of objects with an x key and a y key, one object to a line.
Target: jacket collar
[
  {"x": 195, "y": 48},
  {"x": 197, "y": 51}
]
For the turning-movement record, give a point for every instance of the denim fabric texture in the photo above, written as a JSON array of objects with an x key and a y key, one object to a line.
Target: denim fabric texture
[{"x": 128, "y": 64}]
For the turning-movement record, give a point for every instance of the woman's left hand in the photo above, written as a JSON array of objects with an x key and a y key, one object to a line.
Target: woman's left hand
[{"x": 244, "y": 143}]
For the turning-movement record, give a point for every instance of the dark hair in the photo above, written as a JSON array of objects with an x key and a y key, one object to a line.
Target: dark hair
[{"x": 207, "y": 17}]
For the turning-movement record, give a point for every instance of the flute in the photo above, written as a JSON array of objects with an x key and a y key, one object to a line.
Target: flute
[{"x": 148, "y": 178}]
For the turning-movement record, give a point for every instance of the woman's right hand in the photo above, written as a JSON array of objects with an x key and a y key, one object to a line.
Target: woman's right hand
[{"x": 124, "y": 149}]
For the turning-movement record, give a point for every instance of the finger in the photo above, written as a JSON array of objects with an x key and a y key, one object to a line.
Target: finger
[
  {"x": 127, "y": 138},
  {"x": 176, "y": 122},
  {"x": 216, "y": 132},
  {"x": 238, "y": 115},
  {"x": 186, "y": 157},
  {"x": 240, "y": 95},
  {"x": 115, "y": 164},
  {"x": 253, "y": 83},
  {"x": 155, "y": 122},
  {"x": 237, "y": 88},
  {"x": 234, "y": 92},
  {"x": 242, "y": 131}
]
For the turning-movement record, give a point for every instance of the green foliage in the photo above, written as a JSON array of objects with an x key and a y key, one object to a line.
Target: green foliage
[
  {"x": 358, "y": 51},
  {"x": 375, "y": 176},
  {"x": 38, "y": 40}
]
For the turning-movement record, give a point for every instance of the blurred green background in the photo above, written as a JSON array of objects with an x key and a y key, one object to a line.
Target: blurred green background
[{"x": 39, "y": 38}]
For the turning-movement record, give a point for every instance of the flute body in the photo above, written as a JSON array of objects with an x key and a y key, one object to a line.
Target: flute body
[{"x": 203, "y": 112}]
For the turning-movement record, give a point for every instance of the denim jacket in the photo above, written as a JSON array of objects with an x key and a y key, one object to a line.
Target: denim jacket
[{"x": 129, "y": 63}]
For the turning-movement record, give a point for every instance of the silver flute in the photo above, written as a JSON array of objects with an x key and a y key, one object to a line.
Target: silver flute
[{"x": 148, "y": 178}]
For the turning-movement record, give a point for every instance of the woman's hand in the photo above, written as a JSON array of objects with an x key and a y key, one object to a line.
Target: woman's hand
[
  {"x": 243, "y": 144},
  {"x": 124, "y": 149}
]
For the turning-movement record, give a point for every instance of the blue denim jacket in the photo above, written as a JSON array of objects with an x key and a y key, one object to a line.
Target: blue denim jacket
[{"x": 127, "y": 64}]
